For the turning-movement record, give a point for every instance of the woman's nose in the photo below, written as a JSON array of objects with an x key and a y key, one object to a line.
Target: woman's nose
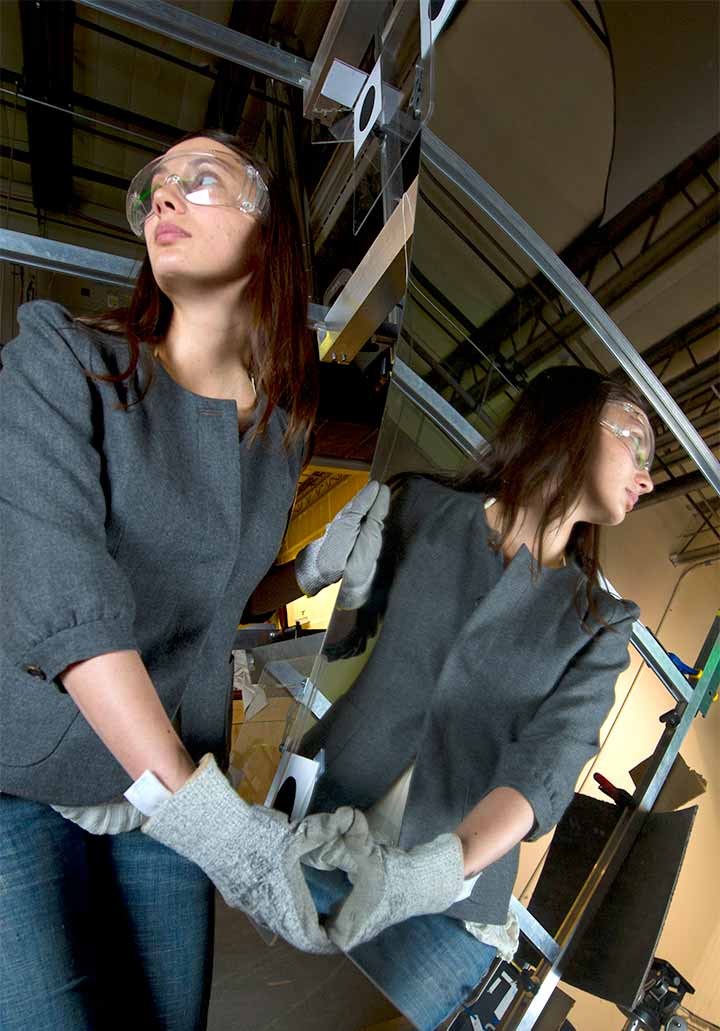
[
  {"x": 644, "y": 481},
  {"x": 167, "y": 195}
]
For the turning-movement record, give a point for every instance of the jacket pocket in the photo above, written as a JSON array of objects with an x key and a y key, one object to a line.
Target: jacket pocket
[{"x": 35, "y": 717}]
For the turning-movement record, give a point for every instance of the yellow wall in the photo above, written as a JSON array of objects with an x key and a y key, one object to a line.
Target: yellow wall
[
  {"x": 306, "y": 526},
  {"x": 314, "y": 613}
]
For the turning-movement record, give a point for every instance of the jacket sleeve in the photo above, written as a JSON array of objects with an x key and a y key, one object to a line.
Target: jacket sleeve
[
  {"x": 545, "y": 760},
  {"x": 62, "y": 596}
]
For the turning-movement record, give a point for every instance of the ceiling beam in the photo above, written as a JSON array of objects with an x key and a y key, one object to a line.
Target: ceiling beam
[
  {"x": 39, "y": 252},
  {"x": 47, "y": 41},
  {"x": 673, "y": 488},
  {"x": 583, "y": 255},
  {"x": 233, "y": 81},
  {"x": 689, "y": 231},
  {"x": 464, "y": 177},
  {"x": 176, "y": 23}
]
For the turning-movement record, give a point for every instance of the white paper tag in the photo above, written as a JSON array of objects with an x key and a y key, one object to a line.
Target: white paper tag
[{"x": 147, "y": 793}]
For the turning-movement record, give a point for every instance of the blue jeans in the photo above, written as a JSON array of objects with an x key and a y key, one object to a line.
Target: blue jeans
[
  {"x": 426, "y": 966},
  {"x": 98, "y": 933}
]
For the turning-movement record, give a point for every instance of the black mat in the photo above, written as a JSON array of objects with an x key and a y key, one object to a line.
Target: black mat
[{"x": 612, "y": 957}]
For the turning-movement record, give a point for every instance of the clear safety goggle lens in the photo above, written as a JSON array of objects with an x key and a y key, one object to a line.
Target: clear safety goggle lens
[
  {"x": 201, "y": 178},
  {"x": 631, "y": 425}
]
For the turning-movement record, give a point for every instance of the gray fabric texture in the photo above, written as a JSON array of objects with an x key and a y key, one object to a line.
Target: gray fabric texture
[
  {"x": 251, "y": 854},
  {"x": 145, "y": 528},
  {"x": 391, "y": 885},
  {"x": 482, "y": 675},
  {"x": 349, "y": 548}
]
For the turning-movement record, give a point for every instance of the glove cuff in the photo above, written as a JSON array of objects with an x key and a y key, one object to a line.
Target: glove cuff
[
  {"x": 438, "y": 873},
  {"x": 195, "y": 820}
]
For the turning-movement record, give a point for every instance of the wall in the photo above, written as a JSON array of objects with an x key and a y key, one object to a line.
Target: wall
[
  {"x": 314, "y": 613},
  {"x": 636, "y": 561}
]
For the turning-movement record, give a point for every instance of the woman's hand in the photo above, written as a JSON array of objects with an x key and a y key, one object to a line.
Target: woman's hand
[
  {"x": 251, "y": 854},
  {"x": 349, "y": 548},
  {"x": 391, "y": 885}
]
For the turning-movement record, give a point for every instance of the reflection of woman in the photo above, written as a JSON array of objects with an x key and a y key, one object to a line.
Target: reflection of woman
[
  {"x": 486, "y": 688},
  {"x": 143, "y": 504}
]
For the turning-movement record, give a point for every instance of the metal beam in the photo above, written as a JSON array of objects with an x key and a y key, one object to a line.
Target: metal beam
[
  {"x": 687, "y": 232},
  {"x": 97, "y": 266},
  {"x": 495, "y": 207},
  {"x": 37, "y": 252},
  {"x": 673, "y": 488},
  {"x": 437, "y": 409},
  {"x": 709, "y": 554},
  {"x": 583, "y": 255},
  {"x": 232, "y": 83},
  {"x": 176, "y": 23},
  {"x": 693, "y": 331}
]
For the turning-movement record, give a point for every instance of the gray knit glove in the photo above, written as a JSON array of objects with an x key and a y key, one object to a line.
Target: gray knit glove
[
  {"x": 251, "y": 854},
  {"x": 391, "y": 885},
  {"x": 349, "y": 548}
]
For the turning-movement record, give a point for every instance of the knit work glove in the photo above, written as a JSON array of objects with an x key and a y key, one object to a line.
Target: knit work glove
[
  {"x": 349, "y": 548},
  {"x": 251, "y": 854},
  {"x": 391, "y": 885}
]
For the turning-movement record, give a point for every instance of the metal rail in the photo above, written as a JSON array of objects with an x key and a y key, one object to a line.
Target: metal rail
[
  {"x": 453, "y": 167},
  {"x": 97, "y": 266},
  {"x": 168, "y": 20}
]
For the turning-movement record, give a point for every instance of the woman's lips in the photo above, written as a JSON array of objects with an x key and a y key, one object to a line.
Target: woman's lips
[
  {"x": 633, "y": 498},
  {"x": 169, "y": 231}
]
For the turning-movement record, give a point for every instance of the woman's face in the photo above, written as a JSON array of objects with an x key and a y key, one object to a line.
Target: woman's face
[
  {"x": 192, "y": 245},
  {"x": 614, "y": 483}
]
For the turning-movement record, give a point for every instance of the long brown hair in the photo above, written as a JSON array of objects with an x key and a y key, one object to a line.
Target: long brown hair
[
  {"x": 283, "y": 355},
  {"x": 542, "y": 451}
]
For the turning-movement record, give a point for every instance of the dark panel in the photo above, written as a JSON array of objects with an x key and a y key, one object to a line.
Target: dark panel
[{"x": 612, "y": 958}]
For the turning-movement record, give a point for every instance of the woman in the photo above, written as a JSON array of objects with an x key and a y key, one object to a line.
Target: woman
[
  {"x": 485, "y": 691},
  {"x": 149, "y": 466}
]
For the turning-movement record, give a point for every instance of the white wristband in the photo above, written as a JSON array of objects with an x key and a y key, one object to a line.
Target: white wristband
[
  {"x": 466, "y": 890},
  {"x": 147, "y": 793}
]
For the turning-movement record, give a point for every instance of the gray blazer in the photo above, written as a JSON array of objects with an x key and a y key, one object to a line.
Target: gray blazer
[
  {"x": 480, "y": 675},
  {"x": 143, "y": 529}
]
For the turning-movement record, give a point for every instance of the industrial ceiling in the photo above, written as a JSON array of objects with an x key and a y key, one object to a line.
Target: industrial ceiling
[{"x": 563, "y": 133}]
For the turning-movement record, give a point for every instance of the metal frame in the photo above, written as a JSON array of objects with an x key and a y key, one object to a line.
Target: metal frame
[
  {"x": 97, "y": 266},
  {"x": 37, "y": 252},
  {"x": 523, "y": 1012},
  {"x": 168, "y": 20},
  {"x": 438, "y": 154}
]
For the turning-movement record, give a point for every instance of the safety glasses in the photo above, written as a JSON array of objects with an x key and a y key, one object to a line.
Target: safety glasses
[
  {"x": 202, "y": 178},
  {"x": 630, "y": 424}
]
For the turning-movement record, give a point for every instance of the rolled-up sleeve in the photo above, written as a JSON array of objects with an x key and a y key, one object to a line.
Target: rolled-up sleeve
[
  {"x": 545, "y": 760},
  {"x": 63, "y": 598}
]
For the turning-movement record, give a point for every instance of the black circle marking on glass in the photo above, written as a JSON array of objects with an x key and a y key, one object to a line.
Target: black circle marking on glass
[{"x": 367, "y": 108}]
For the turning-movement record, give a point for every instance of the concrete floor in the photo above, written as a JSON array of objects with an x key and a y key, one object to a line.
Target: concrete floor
[{"x": 262, "y": 988}]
